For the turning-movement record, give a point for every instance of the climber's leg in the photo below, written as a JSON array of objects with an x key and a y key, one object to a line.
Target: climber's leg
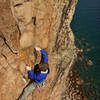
[{"x": 27, "y": 91}]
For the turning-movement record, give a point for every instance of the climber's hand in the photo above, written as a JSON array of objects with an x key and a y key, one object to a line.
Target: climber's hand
[
  {"x": 38, "y": 48},
  {"x": 28, "y": 68}
]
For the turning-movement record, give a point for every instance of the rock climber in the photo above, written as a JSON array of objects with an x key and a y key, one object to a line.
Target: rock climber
[{"x": 38, "y": 75}]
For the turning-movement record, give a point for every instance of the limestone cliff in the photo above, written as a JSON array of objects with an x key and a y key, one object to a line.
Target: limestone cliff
[{"x": 25, "y": 24}]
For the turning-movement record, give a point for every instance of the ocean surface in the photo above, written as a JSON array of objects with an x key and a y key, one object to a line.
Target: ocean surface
[{"x": 86, "y": 28}]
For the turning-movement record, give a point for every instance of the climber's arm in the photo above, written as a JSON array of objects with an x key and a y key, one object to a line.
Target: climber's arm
[
  {"x": 30, "y": 72},
  {"x": 44, "y": 54}
]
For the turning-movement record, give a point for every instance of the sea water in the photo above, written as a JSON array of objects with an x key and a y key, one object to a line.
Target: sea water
[{"x": 86, "y": 28}]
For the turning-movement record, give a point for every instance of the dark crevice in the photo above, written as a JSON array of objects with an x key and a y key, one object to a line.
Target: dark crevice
[
  {"x": 60, "y": 74},
  {"x": 18, "y": 4},
  {"x": 34, "y": 20},
  {"x": 19, "y": 31},
  {"x": 34, "y": 26},
  {"x": 4, "y": 56},
  {"x": 64, "y": 16},
  {"x": 12, "y": 67},
  {"x": 27, "y": 0},
  {"x": 24, "y": 90},
  {"x": 5, "y": 41}
]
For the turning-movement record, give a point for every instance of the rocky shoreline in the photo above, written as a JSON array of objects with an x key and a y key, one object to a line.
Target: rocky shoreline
[{"x": 73, "y": 83}]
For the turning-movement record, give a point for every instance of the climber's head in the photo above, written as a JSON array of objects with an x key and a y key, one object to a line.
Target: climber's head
[{"x": 43, "y": 66}]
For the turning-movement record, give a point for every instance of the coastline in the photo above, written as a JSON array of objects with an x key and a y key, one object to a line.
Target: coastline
[
  {"x": 73, "y": 86},
  {"x": 85, "y": 26}
]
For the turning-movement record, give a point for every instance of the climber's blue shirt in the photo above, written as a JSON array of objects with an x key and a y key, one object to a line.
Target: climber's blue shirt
[{"x": 37, "y": 76}]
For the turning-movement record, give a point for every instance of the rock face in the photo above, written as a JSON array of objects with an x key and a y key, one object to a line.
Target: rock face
[{"x": 25, "y": 24}]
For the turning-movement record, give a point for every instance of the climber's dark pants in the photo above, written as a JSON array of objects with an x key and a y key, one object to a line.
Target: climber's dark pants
[
  {"x": 29, "y": 88},
  {"x": 27, "y": 91}
]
